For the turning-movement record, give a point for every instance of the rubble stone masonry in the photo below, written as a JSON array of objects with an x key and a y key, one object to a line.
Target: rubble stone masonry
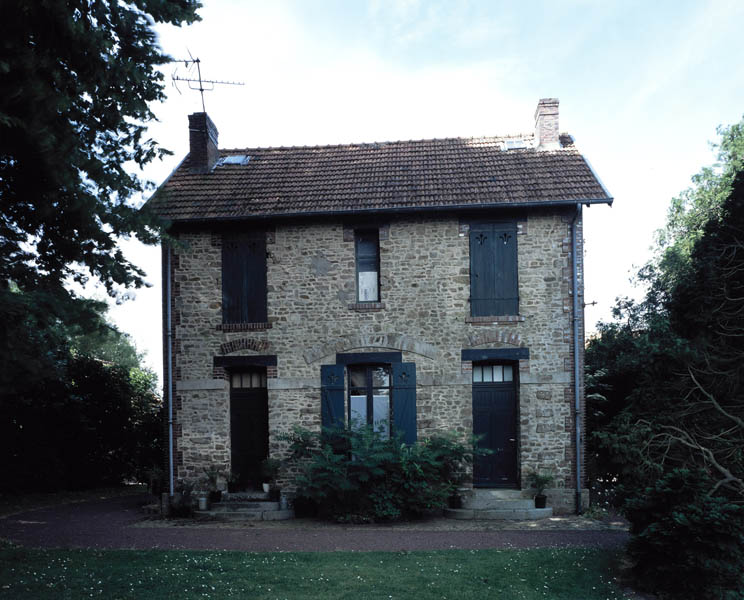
[{"x": 424, "y": 312}]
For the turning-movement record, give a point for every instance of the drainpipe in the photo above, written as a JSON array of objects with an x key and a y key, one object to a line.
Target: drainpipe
[
  {"x": 169, "y": 363},
  {"x": 577, "y": 381}
]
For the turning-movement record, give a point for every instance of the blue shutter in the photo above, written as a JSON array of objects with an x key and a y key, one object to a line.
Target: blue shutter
[
  {"x": 494, "y": 289},
  {"x": 332, "y": 395},
  {"x": 506, "y": 297},
  {"x": 482, "y": 279},
  {"x": 404, "y": 400}
]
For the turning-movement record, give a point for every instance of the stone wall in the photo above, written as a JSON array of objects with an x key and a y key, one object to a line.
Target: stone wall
[{"x": 424, "y": 312}]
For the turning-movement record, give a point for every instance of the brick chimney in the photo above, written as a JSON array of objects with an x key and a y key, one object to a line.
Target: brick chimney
[
  {"x": 203, "y": 149},
  {"x": 546, "y": 124}
]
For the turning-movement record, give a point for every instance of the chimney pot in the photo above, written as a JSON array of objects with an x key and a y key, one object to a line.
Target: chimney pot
[
  {"x": 546, "y": 124},
  {"x": 203, "y": 149}
]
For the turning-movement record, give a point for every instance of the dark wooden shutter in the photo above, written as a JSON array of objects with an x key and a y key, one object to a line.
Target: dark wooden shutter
[
  {"x": 482, "y": 281},
  {"x": 404, "y": 400},
  {"x": 494, "y": 287},
  {"x": 332, "y": 395},
  {"x": 244, "y": 278}
]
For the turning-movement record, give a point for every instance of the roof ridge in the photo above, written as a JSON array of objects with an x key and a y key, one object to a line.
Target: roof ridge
[{"x": 494, "y": 138}]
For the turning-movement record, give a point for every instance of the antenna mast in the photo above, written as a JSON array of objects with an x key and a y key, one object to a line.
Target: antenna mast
[{"x": 201, "y": 82}]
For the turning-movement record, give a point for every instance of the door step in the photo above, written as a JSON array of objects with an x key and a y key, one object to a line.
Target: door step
[
  {"x": 499, "y": 514},
  {"x": 245, "y": 511},
  {"x": 498, "y": 504}
]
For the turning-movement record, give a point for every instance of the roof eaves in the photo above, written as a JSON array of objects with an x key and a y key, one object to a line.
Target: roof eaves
[
  {"x": 165, "y": 182},
  {"x": 398, "y": 210},
  {"x": 599, "y": 181}
]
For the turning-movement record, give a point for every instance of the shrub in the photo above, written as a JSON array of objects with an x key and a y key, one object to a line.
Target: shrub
[
  {"x": 684, "y": 542},
  {"x": 354, "y": 475}
]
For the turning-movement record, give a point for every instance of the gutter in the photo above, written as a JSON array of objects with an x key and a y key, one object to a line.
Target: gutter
[
  {"x": 576, "y": 365},
  {"x": 169, "y": 362}
]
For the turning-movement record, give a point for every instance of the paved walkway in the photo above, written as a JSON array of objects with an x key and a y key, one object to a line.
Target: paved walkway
[{"x": 118, "y": 523}]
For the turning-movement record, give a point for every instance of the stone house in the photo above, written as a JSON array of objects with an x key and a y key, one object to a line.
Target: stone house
[{"x": 419, "y": 286}]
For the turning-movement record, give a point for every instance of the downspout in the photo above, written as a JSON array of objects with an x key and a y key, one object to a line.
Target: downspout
[
  {"x": 576, "y": 365},
  {"x": 169, "y": 362}
]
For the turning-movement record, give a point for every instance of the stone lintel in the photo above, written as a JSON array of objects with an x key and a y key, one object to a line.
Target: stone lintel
[
  {"x": 293, "y": 383},
  {"x": 557, "y": 378},
  {"x": 395, "y": 341},
  {"x": 186, "y": 385}
]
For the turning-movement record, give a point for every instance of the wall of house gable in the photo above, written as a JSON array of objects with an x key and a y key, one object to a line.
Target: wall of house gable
[{"x": 424, "y": 286}]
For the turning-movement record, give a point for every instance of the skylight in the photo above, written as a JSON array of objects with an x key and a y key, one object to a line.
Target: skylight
[{"x": 235, "y": 159}]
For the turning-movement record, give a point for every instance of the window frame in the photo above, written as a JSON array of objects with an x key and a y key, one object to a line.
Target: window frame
[
  {"x": 359, "y": 233},
  {"x": 370, "y": 393}
]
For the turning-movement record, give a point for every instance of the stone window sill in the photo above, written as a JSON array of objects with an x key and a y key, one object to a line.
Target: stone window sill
[
  {"x": 496, "y": 319},
  {"x": 243, "y": 326},
  {"x": 367, "y": 306}
]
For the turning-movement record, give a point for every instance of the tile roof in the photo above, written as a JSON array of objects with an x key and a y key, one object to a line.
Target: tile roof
[{"x": 352, "y": 178}]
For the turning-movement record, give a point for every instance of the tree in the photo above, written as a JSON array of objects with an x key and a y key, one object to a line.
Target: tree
[
  {"x": 666, "y": 386},
  {"x": 78, "y": 80}
]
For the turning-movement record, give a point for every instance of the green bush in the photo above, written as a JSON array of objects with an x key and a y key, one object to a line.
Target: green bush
[
  {"x": 684, "y": 542},
  {"x": 353, "y": 475}
]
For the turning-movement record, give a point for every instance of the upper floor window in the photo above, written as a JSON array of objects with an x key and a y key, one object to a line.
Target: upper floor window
[
  {"x": 244, "y": 277},
  {"x": 367, "y": 243},
  {"x": 493, "y": 269}
]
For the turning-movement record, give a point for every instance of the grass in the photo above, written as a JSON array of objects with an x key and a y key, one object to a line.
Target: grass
[
  {"x": 586, "y": 573},
  {"x": 15, "y": 503}
]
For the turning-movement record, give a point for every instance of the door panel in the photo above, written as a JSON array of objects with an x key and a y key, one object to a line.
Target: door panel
[
  {"x": 249, "y": 433},
  {"x": 495, "y": 421}
]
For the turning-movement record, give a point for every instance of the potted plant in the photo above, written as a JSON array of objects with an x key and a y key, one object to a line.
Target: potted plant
[
  {"x": 269, "y": 471},
  {"x": 212, "y": 476},
  {"x": 539, "y": 481},
  {"x": 233, "y": 481}
]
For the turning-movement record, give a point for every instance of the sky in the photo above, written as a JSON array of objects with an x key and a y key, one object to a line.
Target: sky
[{"x": 642, "y": 88}]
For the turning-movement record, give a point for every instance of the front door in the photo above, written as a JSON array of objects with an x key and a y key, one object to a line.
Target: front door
[
  {"x": 249, "y": 426},
  {"x": 495, "y": 423}
]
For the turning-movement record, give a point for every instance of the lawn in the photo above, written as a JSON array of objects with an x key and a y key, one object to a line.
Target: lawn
[{"x": 458, "y": 574}]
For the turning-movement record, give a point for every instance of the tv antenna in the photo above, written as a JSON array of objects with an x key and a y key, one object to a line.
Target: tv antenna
[{"x": 192, "y": 83}]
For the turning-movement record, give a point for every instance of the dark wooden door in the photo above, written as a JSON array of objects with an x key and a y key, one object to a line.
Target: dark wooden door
[
  {"x": 249, "y": 434},
  {"x": 495, "y": 421}
]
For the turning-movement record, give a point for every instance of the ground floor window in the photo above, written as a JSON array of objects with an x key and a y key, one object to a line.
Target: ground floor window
[
  {"x": 370, "y": 398},
  {"x": 380, "y": 395}
]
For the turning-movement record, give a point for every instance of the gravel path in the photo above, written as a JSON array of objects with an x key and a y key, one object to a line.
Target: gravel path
[{"x": 118, "y": 523}]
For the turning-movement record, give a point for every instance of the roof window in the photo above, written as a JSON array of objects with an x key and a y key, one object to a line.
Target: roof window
[
  {"x": 516, "y": 144},
  {"x": 235, "y": 159}
]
